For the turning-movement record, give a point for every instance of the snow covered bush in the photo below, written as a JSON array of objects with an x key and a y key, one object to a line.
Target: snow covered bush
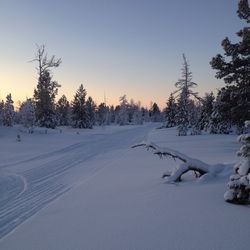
[{"x": 239, "y": 184}]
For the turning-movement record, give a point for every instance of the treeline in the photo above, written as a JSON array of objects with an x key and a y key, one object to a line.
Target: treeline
[
  {"x": 82, "y": 112},
  {"x": 44, "y": 111},
  {"x": 223, "y": 113}
]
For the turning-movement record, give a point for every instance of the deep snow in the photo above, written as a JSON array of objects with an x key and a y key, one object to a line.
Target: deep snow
[{"x": 116, "y": 198}]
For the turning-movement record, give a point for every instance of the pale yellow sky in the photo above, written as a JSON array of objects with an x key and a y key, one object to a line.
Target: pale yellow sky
[{"x": 114, "y": 48}]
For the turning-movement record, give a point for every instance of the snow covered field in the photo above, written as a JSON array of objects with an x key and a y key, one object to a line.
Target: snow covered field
[{"x": 88, "y": 189}]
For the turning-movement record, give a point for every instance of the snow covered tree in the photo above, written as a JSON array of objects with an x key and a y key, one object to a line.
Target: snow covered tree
[
  {"x": 182, "y": 114},
  {"x": 79, "y": 112},
  {"x": 170, "y": 112},
  {"x": 46, "y": 90},
  {"x": 137, "y": 114},
  {"x": 63, "y": 111},
  {"x": 155, "y": 113},
  {"x": 239, "y": 184},
  {"x": 134, "y": 113},
  {"x": 8, "y": 112},
  {"x": 234, "y": 68},
  {"x": 194, "y": 117},
  {"x": 220, "y": 121},
  {"x": 122, "y": 116},
  {"x": 90, "y": 112},
  {"x": 102, "y": 114},
  {"x": 1, "y": 112},
  {"x": 145, "y": 114},
  {"x": 28, "y": 114},
  {"x": 206, "y": 111},
  {"x": 184, "y": 86}
]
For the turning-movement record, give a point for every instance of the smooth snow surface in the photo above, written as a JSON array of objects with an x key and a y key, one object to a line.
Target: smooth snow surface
[{"x": 92, "y": 191}]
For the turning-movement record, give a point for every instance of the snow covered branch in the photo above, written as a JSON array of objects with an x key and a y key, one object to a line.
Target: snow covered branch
[{"x": 188, "y": 163}]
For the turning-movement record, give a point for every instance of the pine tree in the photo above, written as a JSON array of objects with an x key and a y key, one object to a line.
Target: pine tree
[
  {"x": 239, "y": 184},
  {"x": 170, "y": 112},
  {"x": 194, "y": 117},
  {"x": 102, "y": 113},
  {"x": 184, "y": 86},
  {"x": 28, "y": 115},
  {"x": 137, "y": 114},
  {"x": 8, "y": 112},
  {"x": 220, "y": 121},
  {"x": 79, "y": 112},
  {"x": 234, "y": 68},
  {"x": 1, "y": 112},
  {"x": 112, "y": 114},
  {"x": 206, "y": 111},
  {"x": 90, "y": 112},
  {"x": 131, "y": 109},
  {"x": 122, "y": 118},
  {"x": 63, "y": 111},
  {"x": 145, "y": 114},
  {"x": 182, "y": 114},
  {"x": 46, "y": 90},
  {"x": 155, "y": 113}
]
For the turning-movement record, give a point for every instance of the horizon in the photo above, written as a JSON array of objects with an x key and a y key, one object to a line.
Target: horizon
[{"x": 114, "y": 47}]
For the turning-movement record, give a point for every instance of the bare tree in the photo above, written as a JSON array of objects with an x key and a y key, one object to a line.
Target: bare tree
[
  {"x": 187, "y": 163},
  {"x": 46, "y": 91},
  {"x": 45, "y": 63}
]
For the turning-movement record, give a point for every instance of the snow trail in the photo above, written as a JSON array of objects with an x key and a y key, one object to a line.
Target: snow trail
[{"x": 43, "y": 178}]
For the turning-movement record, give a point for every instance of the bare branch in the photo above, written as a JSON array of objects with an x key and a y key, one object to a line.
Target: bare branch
[
  {"x": 43, "y": 62},
  {"x": 188, "y": 164}
]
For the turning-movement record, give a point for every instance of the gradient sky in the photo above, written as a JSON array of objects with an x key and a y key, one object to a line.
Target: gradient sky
[{"x": 131, "y": 47}]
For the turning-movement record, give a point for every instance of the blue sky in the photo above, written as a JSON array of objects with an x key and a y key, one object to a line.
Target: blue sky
[{"x": 117, "y": 47}]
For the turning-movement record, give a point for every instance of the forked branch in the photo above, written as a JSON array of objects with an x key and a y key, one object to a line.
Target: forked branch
[{"x": 188, "y": 164}]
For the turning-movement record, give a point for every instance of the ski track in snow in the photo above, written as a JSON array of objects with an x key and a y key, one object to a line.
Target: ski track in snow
[{"x": 24, "y": 193}]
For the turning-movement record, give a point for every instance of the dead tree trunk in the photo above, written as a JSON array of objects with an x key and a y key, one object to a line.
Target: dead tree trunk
[{"x": 188, "y": 164}]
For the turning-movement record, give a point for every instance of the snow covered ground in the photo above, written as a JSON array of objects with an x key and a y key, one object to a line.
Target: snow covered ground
[{"x": 88, "y": 189}]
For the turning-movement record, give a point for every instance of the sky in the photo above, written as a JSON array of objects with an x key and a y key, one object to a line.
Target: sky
[{"x": 114, "y": 47}]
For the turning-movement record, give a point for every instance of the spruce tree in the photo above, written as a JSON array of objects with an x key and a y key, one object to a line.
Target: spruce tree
[
  {"x": 184, "y": 91},
  {"x": 112, "y": 114},
  {"x": 28, "y": 116},
  {"x": 63, "y": 111},
  {"x": 155, "y": 113},
  {"x": 170, "y": 112},
  {"x": 145, "y": 114},
  {"x": 131, "y": 109},
  {"x": 46, "y": 90},
  {"x": 90, "y": 112},
  {"x": 137, "y": 114},
  {"x": 220, "y": 121},
  {"x": 239, "y": 184},
  {"x": 102, "y": 112},
  {"x": 194, "y": 117},
  {"x": 206, "y": 111},
  {"x": 79, "y": 112},
  {"x": 182, "y": 114},
  {"x": 234, "y": 68},
  {"x": 1, "y": 112},
  {"x": 122, "y": 115},
  {"x": 8, "y": 112}
]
